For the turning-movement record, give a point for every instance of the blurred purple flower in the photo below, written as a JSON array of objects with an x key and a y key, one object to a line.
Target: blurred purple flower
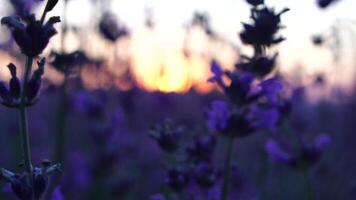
[
  {"x": 217, "y": 74},
  {"x": 264, "y": 118},
  {"x": 271, "y": 89},
  {"x": 306, "y": 157},
  {"x": 218, "y": 116},
  {"x": 110, "y": 29}
]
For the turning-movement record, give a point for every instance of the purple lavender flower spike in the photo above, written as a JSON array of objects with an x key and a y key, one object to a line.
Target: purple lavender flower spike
[
  {"x": 217, "y": 74},
  {"x": 262, "y": 30},
  {"x": 264, "y": 118},
  {"x": 271, "y": 89},
  {"x": 218, "y": 116},
  {"x": 33, "y": 36}
]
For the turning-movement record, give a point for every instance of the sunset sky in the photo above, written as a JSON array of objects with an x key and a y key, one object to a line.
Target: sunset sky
[{"x": 163, "y": 45}]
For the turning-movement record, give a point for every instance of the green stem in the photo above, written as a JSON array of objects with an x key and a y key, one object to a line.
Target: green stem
[
  {"x": 25, "y": 140},
  {"x": 227, "y": 169},
  {"x": 308, "y": 186}
]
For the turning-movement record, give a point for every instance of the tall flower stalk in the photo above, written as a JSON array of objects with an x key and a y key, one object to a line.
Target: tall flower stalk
[
  {"x": 255, "y": 102},
  {"x": 227, "y": 169},
  {"x": 32, "y": 37},
  {"x": 25, "y": 138}
]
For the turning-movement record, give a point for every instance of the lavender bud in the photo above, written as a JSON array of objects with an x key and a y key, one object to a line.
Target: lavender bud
[
  {"x": 15, "y": 86},
  {"x": 4, "y": 93},
  {"x": 34, "y": 84},
  {"x": 255, "y": 2}
]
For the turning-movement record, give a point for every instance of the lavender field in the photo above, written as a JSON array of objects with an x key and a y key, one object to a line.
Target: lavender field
[{"x": 177, "y": 100}]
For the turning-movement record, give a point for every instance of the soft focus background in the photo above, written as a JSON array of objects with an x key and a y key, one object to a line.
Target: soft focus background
[{"x": 158, "y": 68}]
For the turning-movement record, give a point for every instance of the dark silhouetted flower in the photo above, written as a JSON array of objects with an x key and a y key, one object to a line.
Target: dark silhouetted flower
[
  {"x": 110, "y": 28},
  {"x": 239, "y": 91},
  {"x": 14, "y": 84},
  {"x": 167, "y": 135},
  {"x": 261, "y": 32},
  {"x": 202, "y": 149},
  {"x": 205, "y": 175},
  {"x": 177, "y": 179},
  {"x": 255, "y": 2},
  {"x": 325, "y": 3},
  {"x": 34, "y": 85},
  {"x": 240, "y": 125},
  {"x": 33, "y": 36},
  {"x": 260, "y": 66},
  {"x": 5, "y": 95},
  {"x": 20, "y": 186},
  {"x": 68, "y": 62}
]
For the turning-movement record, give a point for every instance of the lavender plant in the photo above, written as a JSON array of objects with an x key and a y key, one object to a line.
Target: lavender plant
[
  {"x": 255, "y": 102},
  {"x": 32, "y": 37}
]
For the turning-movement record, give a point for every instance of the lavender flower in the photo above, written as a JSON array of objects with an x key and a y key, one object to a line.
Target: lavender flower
[
  {"x": 34, "y": 84},
  {"x": 255, "y": 2},
  {"x": 202, "y": 149},
  {"x": 218, "y": 116},
  {"x": 265, "y": 24},
  {"x": 33, "y": 36},
  {"x": 167, "y": 135},
  {"x": 260, "y": 66},
  {"x": 177, "y": 179},
  {"x": 305, "y": 158},
  {"x": 110, "y": 29},
  {"x": 20, "y": 185},
  {"x": 68, "y": 62},
  {"x": 205, "y": 175}
]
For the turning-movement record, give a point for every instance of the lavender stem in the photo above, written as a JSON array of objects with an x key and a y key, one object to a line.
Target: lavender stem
[
  {"x": 227, "y": 169},
  {"x": 25, "y": 140}
]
